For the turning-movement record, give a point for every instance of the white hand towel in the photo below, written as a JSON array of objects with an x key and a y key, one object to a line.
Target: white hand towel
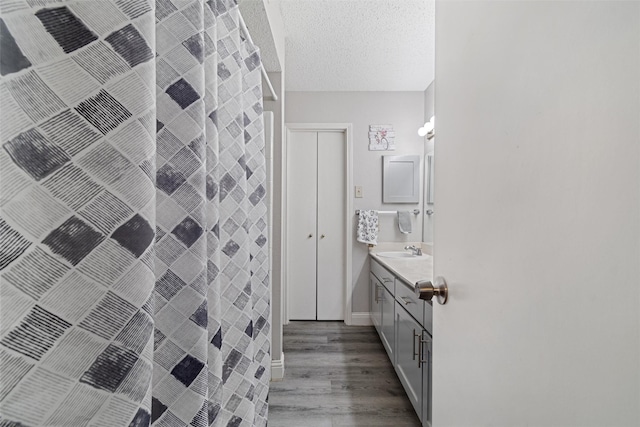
[
  {"x": 368, "y": 227},
  {"x": 404, "y": 222}
]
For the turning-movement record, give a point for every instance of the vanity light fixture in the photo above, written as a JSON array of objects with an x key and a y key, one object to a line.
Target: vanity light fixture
[{"x": 428, "y": 129}]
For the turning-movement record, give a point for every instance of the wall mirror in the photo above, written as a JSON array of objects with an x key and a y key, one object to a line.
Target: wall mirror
[
  {"x": 429, "y": 201},
  {"x": 429, "y": 175},
  {"x": 401, "y": 179}
]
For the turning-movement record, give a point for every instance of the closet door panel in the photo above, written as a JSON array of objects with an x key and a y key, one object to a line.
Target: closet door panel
[
  {"x": 302, "y": 161},
  {"x": 331, "y": 225}
]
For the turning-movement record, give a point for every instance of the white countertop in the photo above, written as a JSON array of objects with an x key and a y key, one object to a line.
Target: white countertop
[{"x": 410, "y": 270}]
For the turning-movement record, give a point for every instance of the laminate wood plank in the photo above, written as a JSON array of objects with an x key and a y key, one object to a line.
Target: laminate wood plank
[
  {"x": 354, "y": 338},
  {"x": 297, "y": 339},
  {"x": 336, "y": 359},
  {"x": 280, "y": 419},
  {"x": 381, "y": 386},
  {"x": 368, "y": 348},
  {"x": 337, "y": 376},
  {"x": 304, "y": 387},
  {"x": 339, "y": 373},
  {"x": 341, "y": 405},
  {"x": 353, "y": 420},
  {"x": 370, "y": 397}
]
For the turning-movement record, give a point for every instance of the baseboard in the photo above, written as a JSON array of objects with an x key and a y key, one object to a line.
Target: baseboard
[
  {"x": 277, "y": 369},
  {"x": 361, "y": 319}
]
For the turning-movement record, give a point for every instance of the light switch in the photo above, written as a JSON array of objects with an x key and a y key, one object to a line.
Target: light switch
[{"x": 358, "y": 192}]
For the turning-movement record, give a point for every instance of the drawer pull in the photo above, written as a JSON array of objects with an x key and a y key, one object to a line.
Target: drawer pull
[
  {"x": 421, "y": 351},
  {"x": 387, "y": 280},
  {"x": 407, "y": 301}
]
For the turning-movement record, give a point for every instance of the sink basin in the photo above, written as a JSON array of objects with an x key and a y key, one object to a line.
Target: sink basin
[{"x": 397, "y": 254}]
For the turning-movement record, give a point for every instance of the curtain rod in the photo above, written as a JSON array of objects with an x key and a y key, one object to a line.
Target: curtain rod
[{"x": 245, "y": 30}]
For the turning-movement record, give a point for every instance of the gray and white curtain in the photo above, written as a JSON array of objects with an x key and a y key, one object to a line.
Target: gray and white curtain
[{"x": 133, "y": 248}]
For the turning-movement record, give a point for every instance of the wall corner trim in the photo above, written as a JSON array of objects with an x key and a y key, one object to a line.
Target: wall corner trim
[
  {"x": 277, "y": 369},
  {"x": 361, "y": 319}
]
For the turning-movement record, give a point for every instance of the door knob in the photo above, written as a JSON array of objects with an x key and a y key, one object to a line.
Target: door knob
[
  {"x": 426, "y": 290},
  {"x": 310, "y": 236},
  {"x": 322, "y": 236}
]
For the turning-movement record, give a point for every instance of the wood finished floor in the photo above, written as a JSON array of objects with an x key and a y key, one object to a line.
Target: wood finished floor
[{"x": 337, "y": 376}]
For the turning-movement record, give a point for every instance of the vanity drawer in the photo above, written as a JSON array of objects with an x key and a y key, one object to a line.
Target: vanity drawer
[
  {"x": 408, "y": 299},
  {"x": 383, "y": 275}
]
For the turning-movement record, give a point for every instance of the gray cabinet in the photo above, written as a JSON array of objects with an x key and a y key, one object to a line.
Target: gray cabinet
[
  {"x": 383, "y": 288},
  {"x": 375, "y": 301},
  {"x": 387, "y": 332},
  {"x": 403, "y": 322},
  {"x": 408, "y": 364},
  {"x": 426, "y": 378}
]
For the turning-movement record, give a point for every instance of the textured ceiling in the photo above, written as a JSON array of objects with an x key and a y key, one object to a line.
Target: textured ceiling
[{"x": 358, "y": 45}]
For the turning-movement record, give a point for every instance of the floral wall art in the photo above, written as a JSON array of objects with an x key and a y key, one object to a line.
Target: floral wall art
[{"x": 382, "y": 138}]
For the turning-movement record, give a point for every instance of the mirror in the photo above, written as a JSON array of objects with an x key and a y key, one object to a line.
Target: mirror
[
  {"x": 429, "y": 175},
  {"x": 401, "y": 179},
  {"x": 428, "y": 211}
]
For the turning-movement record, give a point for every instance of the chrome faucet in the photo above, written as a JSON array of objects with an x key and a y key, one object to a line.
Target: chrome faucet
[{"x": 415, "y": 251}]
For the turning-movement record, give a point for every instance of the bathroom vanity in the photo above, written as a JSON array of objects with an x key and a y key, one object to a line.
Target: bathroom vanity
[{"x": 403, "y": 321}]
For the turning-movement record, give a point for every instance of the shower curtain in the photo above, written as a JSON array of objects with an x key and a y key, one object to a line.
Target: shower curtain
[{"x": 133, "y": 234}]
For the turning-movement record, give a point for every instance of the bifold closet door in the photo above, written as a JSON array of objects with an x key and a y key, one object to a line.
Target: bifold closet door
[
  {"x": 331, "y": 225},
  {"x": 302, "y": 172}
]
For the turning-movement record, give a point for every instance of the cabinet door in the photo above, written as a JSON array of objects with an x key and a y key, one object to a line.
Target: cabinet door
[
  {"x": 408, "y": 366},
  {"x": 302, "y": 161},
  {"x": 387, "y": 331},
  {"x": 426, "y": 379},
  {"x": 331, "y": 225},
  {"x": 375, "y": 303}
]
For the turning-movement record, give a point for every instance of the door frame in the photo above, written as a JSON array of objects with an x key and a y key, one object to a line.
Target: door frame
[{"x": 347, "y": 129}]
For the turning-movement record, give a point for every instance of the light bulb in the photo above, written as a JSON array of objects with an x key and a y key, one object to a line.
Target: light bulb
[{"x": 428, "y": 127}]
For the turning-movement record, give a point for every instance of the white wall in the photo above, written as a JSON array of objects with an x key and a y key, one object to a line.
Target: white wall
[
  {"x": 538, "y": 214},
  {"x": 403, "y": 110}
]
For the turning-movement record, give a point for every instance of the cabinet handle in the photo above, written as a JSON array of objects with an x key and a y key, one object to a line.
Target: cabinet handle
[
  {"x": 387, "y": 280},
  {"x": 376, "y": 295},
  {"x": 414, "y": 344},
  {"x": 404, "y": 299},
  {"x": 322, "y": 236},
  {"x": 310, "y": 236},
  {"x": 421, "y": 351}
]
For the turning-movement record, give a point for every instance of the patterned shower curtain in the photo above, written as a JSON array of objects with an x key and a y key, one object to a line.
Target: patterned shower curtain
[{"x": 133, "y": 255}]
